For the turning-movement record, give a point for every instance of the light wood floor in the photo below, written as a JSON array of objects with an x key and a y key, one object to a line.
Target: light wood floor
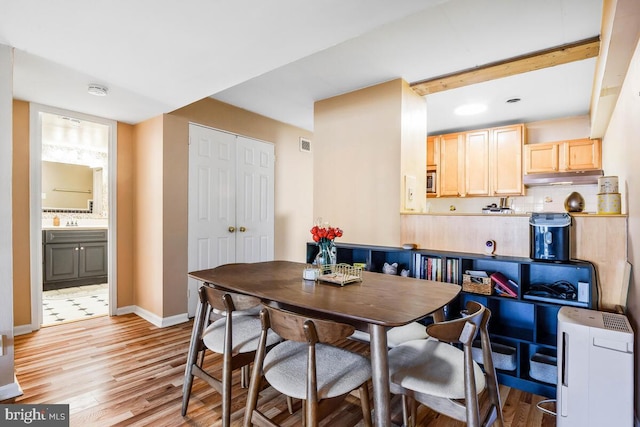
[{"x": 124, "y": 371}]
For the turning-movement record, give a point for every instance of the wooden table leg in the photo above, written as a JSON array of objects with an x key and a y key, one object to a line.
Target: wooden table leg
[{"x": 380, "y": 376}]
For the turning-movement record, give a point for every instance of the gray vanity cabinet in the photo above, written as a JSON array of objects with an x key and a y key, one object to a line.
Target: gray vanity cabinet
[{"x": 74, "y": 257}]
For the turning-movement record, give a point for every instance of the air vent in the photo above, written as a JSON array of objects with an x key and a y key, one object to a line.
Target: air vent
[
  {"x": 305, "y": 145},
  {"x": 615, "y": 322}
]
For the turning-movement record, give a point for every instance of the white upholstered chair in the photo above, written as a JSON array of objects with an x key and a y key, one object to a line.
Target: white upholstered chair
[
  {"x": 401, "y": 334},
  {"x": 235, "y": 336},
  {"x": 437, "y": 373},
  {"x": 306, "y": 366}
]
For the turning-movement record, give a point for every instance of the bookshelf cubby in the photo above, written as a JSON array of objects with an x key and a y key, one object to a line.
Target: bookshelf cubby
[{"x": 526, "y": 325}]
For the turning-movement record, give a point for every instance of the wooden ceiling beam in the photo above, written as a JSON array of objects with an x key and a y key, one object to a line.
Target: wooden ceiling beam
[{"x": 551, "y": 57}]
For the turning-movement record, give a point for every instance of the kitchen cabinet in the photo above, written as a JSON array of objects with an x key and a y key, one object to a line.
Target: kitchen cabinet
[
  {"x": 506, "y": 160},
  {"x": 433, "y": 152},
  {"x": 484, "y": 162},
  {"x": 451, "y": 165},
  {"x": 74, "y": 258},
  {"x": 542, "y": 158},
  {"x": 563, "y": 156},
  {"x": 583, "y": 154},
  {"x": 476, "y": 154},
  {"x": 522, "y": 327}
]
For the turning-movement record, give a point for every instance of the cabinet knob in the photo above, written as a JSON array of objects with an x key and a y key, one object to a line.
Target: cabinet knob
[
  {"x": 76, "y": 248},
  {"x": 232, "y": 229},
  {"x": 82, "y": 248},
  {"x": 242, "y": 229}
]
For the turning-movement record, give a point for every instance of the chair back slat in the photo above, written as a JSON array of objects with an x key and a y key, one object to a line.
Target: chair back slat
[
  {"x": 295, "y": 327},
  {"x": 216, "y": 299},
  {"x": 451, "y": 331}
]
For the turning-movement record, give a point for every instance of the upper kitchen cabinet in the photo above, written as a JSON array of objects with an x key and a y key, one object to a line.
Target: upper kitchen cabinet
[
  {"x": 583, "y": 154},
  {"x": 433, "y": 152},
  {"x": 476, "y": 165},
  {"x": 506, "y": 160},
  {"x": 451, "y": 165},
  {"x": 486, "y": 162},
  {"x": 563, "y": 156}
]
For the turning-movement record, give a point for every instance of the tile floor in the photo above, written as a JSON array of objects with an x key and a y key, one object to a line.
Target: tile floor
[{"x": 75, "y": 303}]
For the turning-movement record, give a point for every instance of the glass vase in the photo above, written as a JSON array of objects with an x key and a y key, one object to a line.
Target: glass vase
[{"x": 326, "y": 257}]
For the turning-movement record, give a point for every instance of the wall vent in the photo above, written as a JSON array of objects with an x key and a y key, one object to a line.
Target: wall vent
[{"x": 305, "y": 145}]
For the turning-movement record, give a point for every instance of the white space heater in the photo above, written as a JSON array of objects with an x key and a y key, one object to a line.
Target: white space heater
[{"x": 595, "y": 369}]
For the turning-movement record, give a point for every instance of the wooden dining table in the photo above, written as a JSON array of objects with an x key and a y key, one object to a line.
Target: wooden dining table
[{"x": 374, "y": 304}]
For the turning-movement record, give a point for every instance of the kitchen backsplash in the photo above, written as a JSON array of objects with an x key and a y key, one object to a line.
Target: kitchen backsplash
[{"x": 537, "y": 199}]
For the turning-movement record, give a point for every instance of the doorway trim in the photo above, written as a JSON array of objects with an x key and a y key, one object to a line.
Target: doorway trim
[{"x": 35, "y": 209}]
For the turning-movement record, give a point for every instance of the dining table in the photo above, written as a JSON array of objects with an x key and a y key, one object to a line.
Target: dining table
[{"x": 373, "y": 304}]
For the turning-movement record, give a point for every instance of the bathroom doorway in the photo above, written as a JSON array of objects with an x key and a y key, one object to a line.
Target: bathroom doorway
[{"x": 72, "y": 216}]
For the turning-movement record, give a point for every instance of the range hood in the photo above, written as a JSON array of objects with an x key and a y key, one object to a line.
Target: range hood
[{"x": 562, "y": 178}]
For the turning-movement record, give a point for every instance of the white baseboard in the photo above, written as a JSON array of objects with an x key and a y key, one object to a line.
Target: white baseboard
[
  {"x": 22, "y": 330},
  {"x": 125, "y": 310},
  {"x": 161, "y": 322},
  {"x": 11, "y": 390}
]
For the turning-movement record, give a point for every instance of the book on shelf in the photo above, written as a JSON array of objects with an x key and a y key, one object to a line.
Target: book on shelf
[
  {"x": 504, "y": 284},
  {"x": 436, "y": 268}
]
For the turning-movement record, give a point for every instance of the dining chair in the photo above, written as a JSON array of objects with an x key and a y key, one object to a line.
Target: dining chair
[
  {"x": 307, "y": 367},
  {"x": 439, "y": 374},
  {"x": 235, "y": 336},
  {"x": 401, "y": 334}
]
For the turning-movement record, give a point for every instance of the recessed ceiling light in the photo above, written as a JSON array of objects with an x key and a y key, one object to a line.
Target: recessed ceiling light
[
  {"x": 98, "y": 90},
  {"x": 470, "y": 109},
  {"x": 513, "y": 100}
]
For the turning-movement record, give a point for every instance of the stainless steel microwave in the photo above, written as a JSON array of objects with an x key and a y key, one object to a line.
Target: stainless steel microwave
[{"x": 431, "y": 182}]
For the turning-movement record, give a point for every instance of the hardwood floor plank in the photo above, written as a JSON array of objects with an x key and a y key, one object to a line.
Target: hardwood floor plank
[{"x": 123, "y": 371}]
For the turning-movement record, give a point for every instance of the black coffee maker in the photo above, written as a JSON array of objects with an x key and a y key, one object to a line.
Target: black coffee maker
[{"x": 549, "y": 236}]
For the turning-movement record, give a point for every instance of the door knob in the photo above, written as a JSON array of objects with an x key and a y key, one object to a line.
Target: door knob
[
  {"x": 232, "y": 229},
  {"x": 242, "y": 229}
]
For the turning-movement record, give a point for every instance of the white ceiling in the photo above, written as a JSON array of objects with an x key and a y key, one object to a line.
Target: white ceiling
[{"x": 277, "y": 58}]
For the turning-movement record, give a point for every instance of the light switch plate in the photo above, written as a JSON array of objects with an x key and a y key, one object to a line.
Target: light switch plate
[{"x": 409, "y": 192}]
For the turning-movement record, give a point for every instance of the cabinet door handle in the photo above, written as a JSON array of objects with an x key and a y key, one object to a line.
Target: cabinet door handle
[
  {"x": 242, "y": 229},
  {"x": 232, "y": 229}
]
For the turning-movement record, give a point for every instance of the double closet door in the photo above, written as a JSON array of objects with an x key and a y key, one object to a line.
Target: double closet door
[{"x": 231, "y": 201}]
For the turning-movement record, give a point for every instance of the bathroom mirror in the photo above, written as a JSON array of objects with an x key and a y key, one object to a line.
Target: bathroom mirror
[{"x": 68, "y": 187}]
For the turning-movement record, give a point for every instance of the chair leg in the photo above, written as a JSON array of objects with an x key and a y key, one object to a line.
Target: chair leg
[
  {"x": 414, "y": 411},
  {"x": 244, "y": 376},
  {"x": 290, "y": 404},
  {"x": 405, "y": 411},
  {"x": 186, "y": 391},
  {"x": 195, "y": 346},
  {"x": 364, "y": 403}
]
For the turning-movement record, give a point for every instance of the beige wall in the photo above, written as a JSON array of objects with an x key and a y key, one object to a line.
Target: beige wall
[
  {"x": 621, "y": 152},
  {"x": 124, "y": 215},
  {"x": 357, "y": 161},
  {"x": 21, "y": 247},
  {"x": 558, "y": 130},
  {"x": 175, "y": 219},
  {"x": 413, "y": 152},
  {"x": 148, "y": 212}
]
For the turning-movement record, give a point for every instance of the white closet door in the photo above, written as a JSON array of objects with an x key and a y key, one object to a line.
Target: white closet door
[
  {"x": 231, "y": 188},
  {"x": 254, "y": 200}
]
